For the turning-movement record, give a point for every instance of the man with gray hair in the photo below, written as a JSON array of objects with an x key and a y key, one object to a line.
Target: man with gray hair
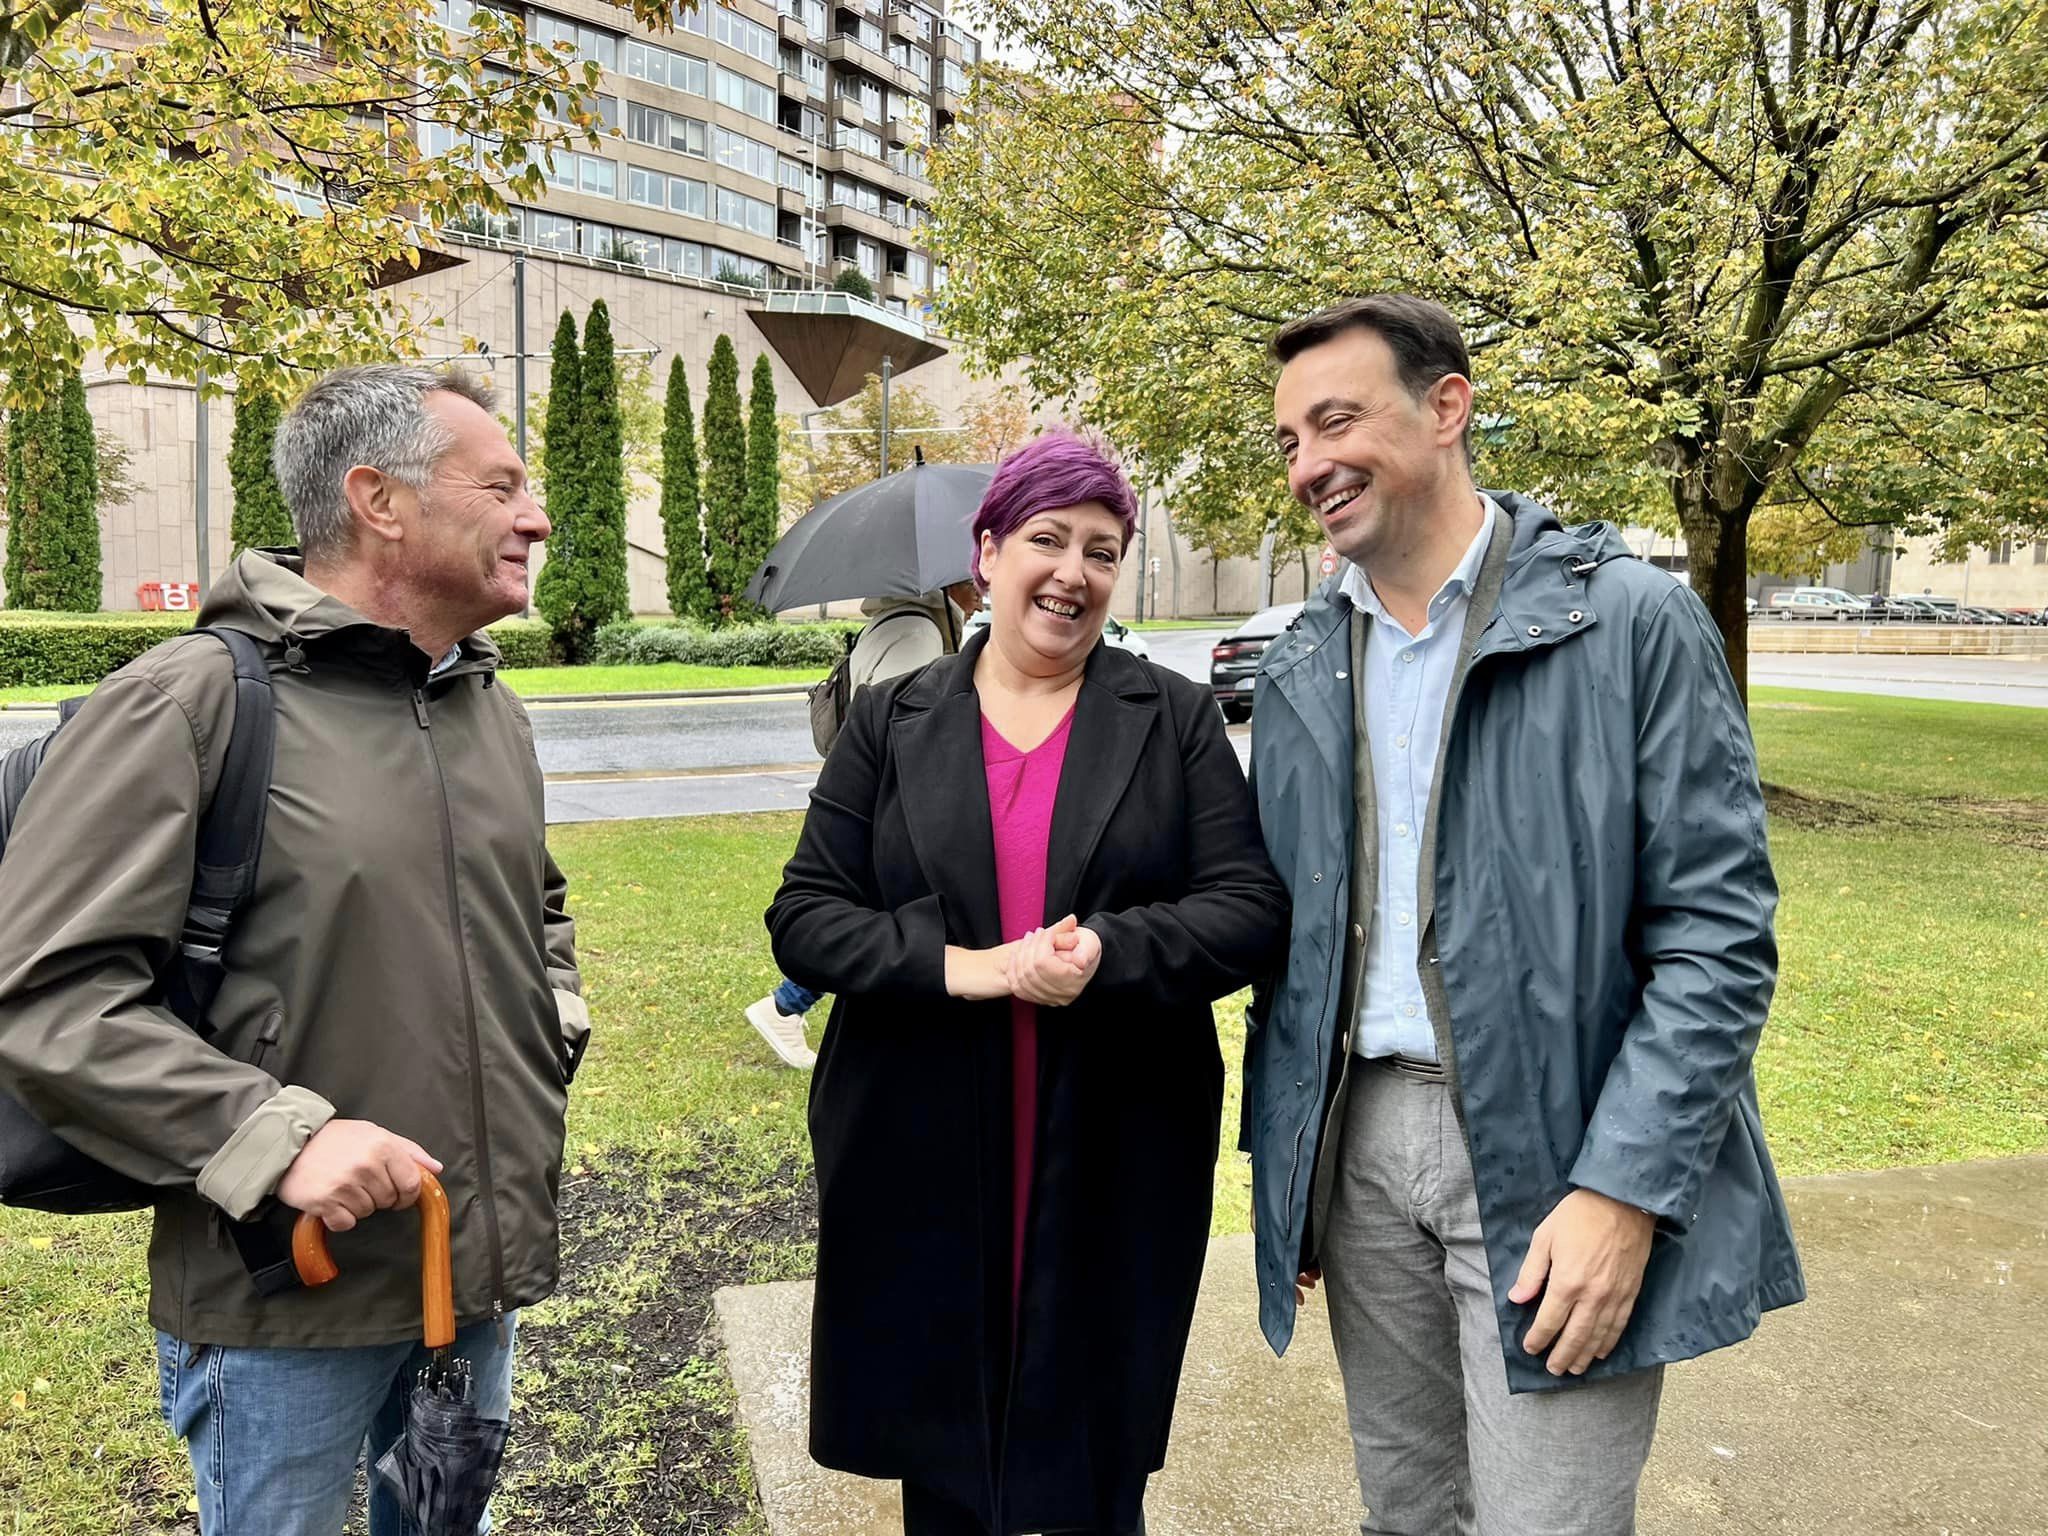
[{"x": 401, "y": 989}]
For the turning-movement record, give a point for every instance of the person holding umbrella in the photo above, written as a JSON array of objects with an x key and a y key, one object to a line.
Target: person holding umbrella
[
  {"x": 1026, "y": 873},
  {"x": 901, "y": 635}
]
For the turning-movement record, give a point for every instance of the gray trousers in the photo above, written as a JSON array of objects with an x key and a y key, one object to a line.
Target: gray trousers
[{"x": 1441, "y": 1445}]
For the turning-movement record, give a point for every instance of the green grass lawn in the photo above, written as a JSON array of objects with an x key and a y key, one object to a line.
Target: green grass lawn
[
  {"x": 666, "y": 677},
  {"x": 1910, "y": 1026}
]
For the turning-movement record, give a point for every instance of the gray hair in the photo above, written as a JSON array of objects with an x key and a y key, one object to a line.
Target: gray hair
[{"x": 374, "y": 414}]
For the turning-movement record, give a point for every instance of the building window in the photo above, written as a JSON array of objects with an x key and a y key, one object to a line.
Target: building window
[
  {"x": 748, "y": 36},
  {"x": 906, "y": 55},
  {"x": 862, "y": 141},
  {"x": 806, "y": 66},
  {"x": 810, "y": 12},
  {"x": 863, "y": 31},
  {"x": 664, "y": 66},
  {"x": 849, "y": 193},
  {"x": 692, "y": 16},
  {"x": 862, "y": 90},
  {"x": 2001, "y": 552},
  {"x": 918, "y": 269},
  {"x": 664, "y": 130},
  {"x": 588, "y": 42},
  {"x": 728, "y": 267},
  {"x": 954, "y": 78},
  {"x": 744, "y": 95},
  {"x": 738, "y": 211},
  {"x": 804, "y": 180},
  {"x": 740, "y": 153},
  {"x": 571, "y": 171}
]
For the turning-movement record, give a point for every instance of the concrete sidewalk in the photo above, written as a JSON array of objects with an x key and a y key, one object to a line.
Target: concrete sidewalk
[{"x": 1908, "y": 1394}]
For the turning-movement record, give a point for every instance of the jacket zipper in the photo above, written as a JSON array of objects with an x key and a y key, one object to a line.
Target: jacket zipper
[{"x": 476, "y": 1080}]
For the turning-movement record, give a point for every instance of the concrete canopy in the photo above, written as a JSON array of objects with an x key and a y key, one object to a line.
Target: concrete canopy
[{"x": 833, "y": 341}]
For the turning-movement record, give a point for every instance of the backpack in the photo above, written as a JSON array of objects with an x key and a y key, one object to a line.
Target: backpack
[
  {"x": 39, "y": 1171},
  {"x": 831, "y": 698}
]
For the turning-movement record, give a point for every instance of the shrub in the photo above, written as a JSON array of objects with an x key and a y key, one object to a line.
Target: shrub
[
  {"x": 261, "y": 520},
  {"x": 524, "y": 642},
  {"x": 55, "y": 650},
  {"x": 743, "y": 645},
  {"x": 855, "y": 282}
]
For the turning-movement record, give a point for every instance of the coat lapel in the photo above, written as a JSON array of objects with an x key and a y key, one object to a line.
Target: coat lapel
[
  {"x": 1113, "y": 718},
  {"x": 943, "y": 782}
]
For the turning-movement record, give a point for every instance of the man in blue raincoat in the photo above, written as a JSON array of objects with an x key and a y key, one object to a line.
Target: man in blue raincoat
[{"x": 1500, "y": 1100}]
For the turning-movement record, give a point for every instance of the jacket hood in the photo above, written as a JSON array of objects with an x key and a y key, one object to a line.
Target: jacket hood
[{"x": 265, "y": 593}]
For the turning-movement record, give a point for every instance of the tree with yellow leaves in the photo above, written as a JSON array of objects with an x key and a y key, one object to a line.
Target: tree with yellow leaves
[{"x": 1711, "y": 259}]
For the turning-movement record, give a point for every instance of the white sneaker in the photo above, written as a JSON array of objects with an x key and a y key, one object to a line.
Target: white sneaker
[{"x": 784, "y": 1033}]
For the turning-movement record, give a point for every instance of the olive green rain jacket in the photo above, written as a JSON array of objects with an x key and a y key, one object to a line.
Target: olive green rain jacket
[{"x": 405, "y": 958}]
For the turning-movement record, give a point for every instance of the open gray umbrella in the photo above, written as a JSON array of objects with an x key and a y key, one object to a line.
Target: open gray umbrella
[{"x": 895, "y": 537}]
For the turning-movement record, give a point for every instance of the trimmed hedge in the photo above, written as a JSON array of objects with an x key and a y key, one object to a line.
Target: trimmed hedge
[
  {"x": 52, "y": 649},
  {"x": 525, "y": 642},
  {"x": 746, "y": 645}
]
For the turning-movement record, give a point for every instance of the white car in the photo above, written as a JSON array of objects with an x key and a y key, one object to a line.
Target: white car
[{"x": 1116, "y": 633}]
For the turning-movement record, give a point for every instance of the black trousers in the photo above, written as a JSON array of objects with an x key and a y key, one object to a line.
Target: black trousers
[{"x": 929, "y": 1514}]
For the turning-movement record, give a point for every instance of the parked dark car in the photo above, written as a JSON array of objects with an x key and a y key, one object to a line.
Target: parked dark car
[
  {"x": 1234, "y": 660},
  {"x": 1983, "y": 616}
]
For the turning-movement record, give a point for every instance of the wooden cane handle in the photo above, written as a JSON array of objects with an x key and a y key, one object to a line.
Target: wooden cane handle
[{"x": 316, "y": 1266}]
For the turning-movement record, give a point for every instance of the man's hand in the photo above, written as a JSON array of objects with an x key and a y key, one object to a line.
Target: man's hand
[
  {"x": 1052, "y": 966},
  {"x": 1592, "y": 1249},
  {"x": 1306, "y": 1282},
  {"x": 349, "y": 1168}
]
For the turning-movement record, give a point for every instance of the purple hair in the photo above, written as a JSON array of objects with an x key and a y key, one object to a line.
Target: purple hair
[{"x": 1058, "y": 468}]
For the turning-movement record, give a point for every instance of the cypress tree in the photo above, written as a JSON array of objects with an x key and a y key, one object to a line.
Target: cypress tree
[
  {"x": 763, "y": 513},
  {"x": 605, "y": 595},
  {"x": 53, "y": 529},
  {"x": 77, "y": 567},
  {"x": 564, "y": 476},
  {"x": 682, "y": 523},
  {"x": 260, "y": 520},
  {"x": 725, "y": 479}
]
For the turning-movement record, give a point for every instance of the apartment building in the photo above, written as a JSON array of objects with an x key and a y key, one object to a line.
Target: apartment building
[{"x": 770, "y": 145}]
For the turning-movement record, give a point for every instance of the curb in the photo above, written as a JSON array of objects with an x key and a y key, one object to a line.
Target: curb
[{"x": 766, "y": 691}]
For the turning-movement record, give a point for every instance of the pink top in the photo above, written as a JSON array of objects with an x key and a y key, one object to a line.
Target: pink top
[{"x": 1021, "y": 789}]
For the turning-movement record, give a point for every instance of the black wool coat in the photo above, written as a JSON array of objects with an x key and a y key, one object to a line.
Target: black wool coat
[{"x": 1154, "y": 844}]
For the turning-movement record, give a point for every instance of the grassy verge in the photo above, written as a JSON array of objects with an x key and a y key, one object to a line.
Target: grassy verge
[
  {"x": 539, "y": 682},
  {"x": 1911, "y": 840}
]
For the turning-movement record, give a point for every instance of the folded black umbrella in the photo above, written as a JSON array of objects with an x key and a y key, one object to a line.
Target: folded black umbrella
[
  {"x": 895, "y": 537},
  {"x": 442, "y": 1469}
]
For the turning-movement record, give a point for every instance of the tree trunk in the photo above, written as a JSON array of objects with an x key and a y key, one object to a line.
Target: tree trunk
[{"x": 1717, "y": 546}]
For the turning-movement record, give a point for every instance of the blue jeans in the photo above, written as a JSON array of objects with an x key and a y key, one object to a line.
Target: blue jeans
[
  {"x": 274, "y": 1433},
  {"x": 793, "y": 999}
]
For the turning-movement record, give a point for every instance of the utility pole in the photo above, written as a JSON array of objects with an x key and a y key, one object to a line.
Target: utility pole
[
  {"x": 1144, "y": 526},
  {"x": 519, "y": 352},
  {"x": 886, "y": 367},
  {"x": 201, "y": 490}
]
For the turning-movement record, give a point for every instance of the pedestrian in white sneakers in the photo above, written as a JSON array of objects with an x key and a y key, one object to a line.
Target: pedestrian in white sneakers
[{"x": 890, "y": 645}]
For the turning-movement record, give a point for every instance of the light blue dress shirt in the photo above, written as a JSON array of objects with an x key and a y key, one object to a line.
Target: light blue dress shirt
[{"x": 1407, "y": 682}]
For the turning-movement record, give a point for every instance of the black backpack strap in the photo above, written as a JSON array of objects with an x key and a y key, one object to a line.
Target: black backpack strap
[{"x": 230, "y": 833}]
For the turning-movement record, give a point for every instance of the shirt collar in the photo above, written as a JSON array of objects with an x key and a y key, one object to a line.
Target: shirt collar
[{"x": 1357, "y": 586}]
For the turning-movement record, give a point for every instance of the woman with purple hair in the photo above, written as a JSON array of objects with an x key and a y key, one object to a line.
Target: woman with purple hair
[{"x": 1027, "y": 873}]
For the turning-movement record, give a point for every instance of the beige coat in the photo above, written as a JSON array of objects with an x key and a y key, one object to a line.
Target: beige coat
[{"x": 406, "y": 958}]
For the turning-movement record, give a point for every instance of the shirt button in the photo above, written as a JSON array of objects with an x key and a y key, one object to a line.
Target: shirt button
[
  {"x": 1407, "y": 655},
  {"x": 1400, "y": 829},
  {"x": 1401, "y": 742},
  {"x": 1403, "y": 919},
  {"x": 1407, "y": 1010}
]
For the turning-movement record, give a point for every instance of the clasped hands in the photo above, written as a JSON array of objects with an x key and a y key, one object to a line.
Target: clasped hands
[{"x": 1048, "y": 966}]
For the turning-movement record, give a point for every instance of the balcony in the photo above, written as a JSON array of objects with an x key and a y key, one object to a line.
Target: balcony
[
  {"x": 850, "y": 112},
  {"x": 903, "y": 133},
  {"x": 793, "y": 31},
  {"x": 853, "y": 52},
  {"x": 797, "y": 88},
  {"x": 873, "y": 225},
  {"x": 949, "y": 48},
  {"x": 895, "y": 286},
  {"x": 791, "y": 201},
  {"x": 906, "y": 26},
  {"x": 947, "y": 102}
]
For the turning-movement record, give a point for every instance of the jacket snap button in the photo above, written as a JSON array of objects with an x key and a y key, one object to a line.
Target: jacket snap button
[
  {"x": 1317, "y": 877},
  {"x": 1575, "y": 615},
  {"x": 1535, "y": 630}
]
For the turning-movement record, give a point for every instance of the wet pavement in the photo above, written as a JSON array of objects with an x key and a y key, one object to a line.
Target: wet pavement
[{"x": 1908, "y": 1394}]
